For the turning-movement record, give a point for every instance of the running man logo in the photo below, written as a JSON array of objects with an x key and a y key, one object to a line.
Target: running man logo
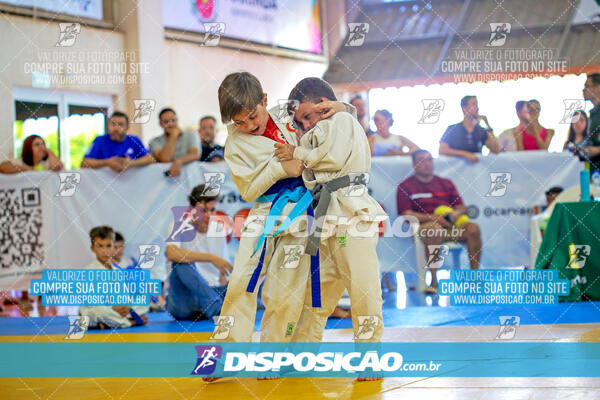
[
  {"x": 293, "y": 254},
  {"x": 148, "y": 254},
  {"x": 212, "y": 33},
  {"x": 286, "y": 110},
  {"x": 357, "y": 32},
  {"x": 68, "y": 34},
  {"x": 78, "y": 325},
  {"x": 143, "y": 110},
  {"x": 500, "y": 31},
  {"x": 578, "y": 254},
  {"x": 184, "y": 229},
  {"x": 498, "y": 183},
  {"x": 578, "y": 280},
  {"x": 223, "y": 327},
  {"x": 437, "y": 253},
  {"x": 508, "y": 326},
  {"x": 432, "y": 110},
  {"x": 68, "y": 183},
  {"x": 366, "y": 327},
  {"x": 212, "y": 183},
  {"x": 207, "y": 359},
  {"x": 358, "y": 184},
  {"x": 572, "y": 105}
]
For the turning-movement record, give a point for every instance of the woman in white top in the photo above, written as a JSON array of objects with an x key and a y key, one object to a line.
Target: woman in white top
[
  {"x": 386, "y": 143},
  {"x": 35, "y": 156}
]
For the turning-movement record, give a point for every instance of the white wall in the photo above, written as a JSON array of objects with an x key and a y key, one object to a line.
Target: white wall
[
  {"x": 24, "y": 40},
  {"x": 190, "y": 82},
  {"x": 195, "y": 73}
]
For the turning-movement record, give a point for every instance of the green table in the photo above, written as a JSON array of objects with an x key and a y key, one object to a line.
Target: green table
[{"x": 571, "y": 245}]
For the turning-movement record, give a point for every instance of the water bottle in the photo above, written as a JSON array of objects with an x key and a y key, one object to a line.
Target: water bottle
[{"x": 596, "y": 185}]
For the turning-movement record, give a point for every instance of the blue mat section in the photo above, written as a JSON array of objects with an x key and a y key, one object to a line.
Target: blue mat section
[{"x": 563, "y": 313}]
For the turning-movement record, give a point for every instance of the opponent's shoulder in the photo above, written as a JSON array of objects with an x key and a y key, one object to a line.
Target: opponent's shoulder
[{"x": 339, "y": 119}]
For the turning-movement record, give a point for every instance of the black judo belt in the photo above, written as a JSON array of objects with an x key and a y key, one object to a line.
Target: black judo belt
[{"x": 321, "y": 198}]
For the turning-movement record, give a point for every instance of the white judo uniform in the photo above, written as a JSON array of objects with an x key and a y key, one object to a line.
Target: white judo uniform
[
  {"x": 337, "y": 147},
  {"x": 106, "y": 314},
  {"x": 254, "y": 169}
]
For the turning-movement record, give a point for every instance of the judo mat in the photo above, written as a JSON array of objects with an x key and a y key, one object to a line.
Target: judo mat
[{"x": 563, "y": 322}]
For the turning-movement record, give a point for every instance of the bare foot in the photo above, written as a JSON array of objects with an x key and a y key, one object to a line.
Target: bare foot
[
  {"x": 368, "y": 378},
  {"x": 339, "y": 312},
  {"x": 211, "y": 378}
]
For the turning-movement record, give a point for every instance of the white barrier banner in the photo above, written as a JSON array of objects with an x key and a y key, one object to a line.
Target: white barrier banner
[
  {"x": 500, "y": 192},
  {"x": 45, "y": 217}
]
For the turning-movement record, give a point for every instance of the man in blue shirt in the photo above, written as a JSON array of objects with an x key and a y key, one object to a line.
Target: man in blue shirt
[
  {"x": 466, "y": 138},
  {"x": 117, "y": 149}
]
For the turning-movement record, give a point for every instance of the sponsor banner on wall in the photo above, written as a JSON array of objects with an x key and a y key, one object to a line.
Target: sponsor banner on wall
[
  {"x": 294, "y": 24},
  {"x": 81, "y": 8}
]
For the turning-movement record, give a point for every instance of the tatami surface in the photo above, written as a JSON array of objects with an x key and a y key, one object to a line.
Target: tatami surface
[{"x": 412, "y": 324}]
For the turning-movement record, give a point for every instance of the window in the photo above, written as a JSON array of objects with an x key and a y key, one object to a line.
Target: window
[
  {"x": 67, "y": 121},
  {"x": 36, "y": 118}
]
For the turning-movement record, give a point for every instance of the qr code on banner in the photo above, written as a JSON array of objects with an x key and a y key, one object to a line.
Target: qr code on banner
[{"x": 20, "y": 227}]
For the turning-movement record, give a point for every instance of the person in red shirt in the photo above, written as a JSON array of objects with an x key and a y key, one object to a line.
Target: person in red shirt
[
  {"x": 420, "y": 194},
  {"x": 534, "y": 136}
]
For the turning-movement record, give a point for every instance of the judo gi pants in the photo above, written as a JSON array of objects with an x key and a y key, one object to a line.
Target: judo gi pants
[
  {"x": 109, "y": 317},
  {"x": 190, "y": 297},
  {"x": 283, "y": 292},
  {"x": 347, "y": 262}
]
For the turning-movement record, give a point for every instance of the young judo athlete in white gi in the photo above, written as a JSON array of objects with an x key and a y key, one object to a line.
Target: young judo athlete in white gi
[
  {"x": 107, "y": 317},
  {"x": 266, "y": 245},
  {"x": 335, "y": 152}
]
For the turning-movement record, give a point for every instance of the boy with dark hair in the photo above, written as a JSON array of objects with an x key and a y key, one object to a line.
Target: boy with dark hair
[
  {"x": 119, "y": 249},
  {"x": 336, "y": 155},
  {"x": 107, "y": 317}
]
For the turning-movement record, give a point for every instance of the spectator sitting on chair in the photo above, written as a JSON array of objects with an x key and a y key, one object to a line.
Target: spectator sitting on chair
[
  {"x": 467, "y": 138},
  {"x": 109, "y": 317},
  {"x": 533, "y": 135},
  {"x": 435, "y": 202},
  {"x": 174, "y": 145},
  {"x": 200, "y": 267},
  {"x": 386, "y": 143},
  {"x": 207, "y": 139},
  {"x": 35, "y": 156},
  {"x": 116, "y": 149},
  {"x": 508, "y": 139}
]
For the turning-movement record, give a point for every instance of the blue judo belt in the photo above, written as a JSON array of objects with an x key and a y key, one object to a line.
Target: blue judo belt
[
  {"x": 136, "y": 317},
  {"x": 289, "y": 190}
]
